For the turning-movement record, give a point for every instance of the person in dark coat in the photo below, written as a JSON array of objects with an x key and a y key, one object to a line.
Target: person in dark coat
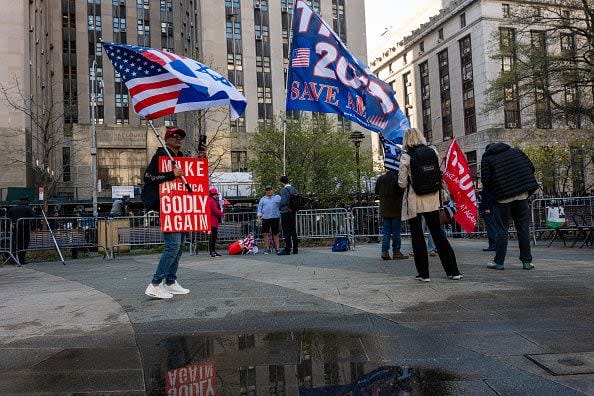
[
  {"x": 390, "y": 208},
  {"x": 21, "y": 230},
  {"x": 508, "y": 175},
  {"x": 486, "y": 211}
]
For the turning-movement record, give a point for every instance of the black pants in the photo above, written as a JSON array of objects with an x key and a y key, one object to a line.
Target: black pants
[
  {"x": 22, "y": 238},
  {"x": 444, "y": 250},
  {"x": 289, "y": 224},
  {"x": 520, "y": 213},
  {"x": 212, "y": 240}
]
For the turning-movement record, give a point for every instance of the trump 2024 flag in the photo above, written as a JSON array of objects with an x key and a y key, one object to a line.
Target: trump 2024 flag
[
  {"x": 325, "y": 77},
  {"x": 162, "y": 83},
  {"x": 459, "y": 181}
]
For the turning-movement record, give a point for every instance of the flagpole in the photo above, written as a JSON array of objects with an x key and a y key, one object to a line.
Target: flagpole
[
  {"x": 150, "y": 122},
  {"x": 287, "y": 89}
]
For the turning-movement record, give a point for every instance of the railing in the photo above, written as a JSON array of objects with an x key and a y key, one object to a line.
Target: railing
[
  {"x": 6, "y": 242},
  {"x": 325, "y": 224},
  {"x": 74, "y": 233},
  {"x": 579, "y": 213}
]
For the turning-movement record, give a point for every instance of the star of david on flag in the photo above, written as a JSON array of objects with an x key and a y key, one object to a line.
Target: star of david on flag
[
  {"x": 324, "y": 76},
  {"x": 162, "y": 83}
]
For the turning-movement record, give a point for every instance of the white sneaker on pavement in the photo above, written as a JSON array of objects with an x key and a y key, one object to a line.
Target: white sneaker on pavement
[
  {"x": 175, "y": 288},
  {"x": 157, "y": 291}
]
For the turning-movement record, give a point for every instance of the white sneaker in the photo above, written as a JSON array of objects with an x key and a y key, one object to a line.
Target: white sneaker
[
  {"x": 175, "y": 288},
  {"x": 157, "y": 291}
]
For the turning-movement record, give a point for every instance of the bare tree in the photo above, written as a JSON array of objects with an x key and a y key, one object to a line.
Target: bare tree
[{"x": 47, "y": 137}]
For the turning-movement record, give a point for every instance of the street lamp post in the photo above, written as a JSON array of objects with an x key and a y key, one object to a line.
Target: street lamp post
[
  {"x": 357, "y": 137},
  {"x": 94, "y": 136}
]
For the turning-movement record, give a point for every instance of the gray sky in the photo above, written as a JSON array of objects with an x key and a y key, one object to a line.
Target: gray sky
[{"x": 403, "y": 16}]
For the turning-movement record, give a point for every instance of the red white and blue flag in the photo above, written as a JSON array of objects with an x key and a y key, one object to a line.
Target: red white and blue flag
[
  {"x": 300, "y": 57},
  {"x": 162, "y": 83},
  {"x": 324, "y": 76}
]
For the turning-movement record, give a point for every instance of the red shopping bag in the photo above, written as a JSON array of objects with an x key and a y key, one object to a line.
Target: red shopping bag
[{"x": 235, "y": 248}]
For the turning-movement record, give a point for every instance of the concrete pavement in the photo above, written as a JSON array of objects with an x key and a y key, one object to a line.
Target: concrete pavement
[{"x": 88, "y": 328}]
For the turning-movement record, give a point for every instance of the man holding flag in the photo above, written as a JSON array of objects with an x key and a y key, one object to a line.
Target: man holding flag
[{"x": 162, "y": 83}]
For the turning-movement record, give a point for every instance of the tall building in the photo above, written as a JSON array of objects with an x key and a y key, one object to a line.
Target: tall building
[
  {"x": 55, "y": 52},
  {"x": 442, "y": 69}
]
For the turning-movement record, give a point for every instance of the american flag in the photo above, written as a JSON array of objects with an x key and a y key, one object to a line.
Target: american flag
[
  {"x": 379, "y": 121},
  {"x": 392, "y": 153},
  {"x": 162, "y": 83},
  {"x": 300, "y": 57}
]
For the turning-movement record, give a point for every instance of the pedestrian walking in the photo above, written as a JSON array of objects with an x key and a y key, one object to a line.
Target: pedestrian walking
[
  {"x": 269, "y": 214},
  {"x": 486, "y": 211},
  {"x": 390, "y": 208},
  {"x": 421, "y": 178},
  {"x": 164, "y": 283},
  {"x": 288, "y": 218},
  {"x": 216, "y": 218},
  {"x": 21, "y": 230},
  {"x": 508, "y": 175}
]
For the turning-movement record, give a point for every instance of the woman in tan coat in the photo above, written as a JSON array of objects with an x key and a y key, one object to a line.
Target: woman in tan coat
[{"x": 427, "y": 205}]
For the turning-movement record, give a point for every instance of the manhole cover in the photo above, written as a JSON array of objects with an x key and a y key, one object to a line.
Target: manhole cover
[{"x": 565, "y": 363}]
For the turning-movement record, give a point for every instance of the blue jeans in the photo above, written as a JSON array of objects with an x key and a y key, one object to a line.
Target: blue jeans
[
  {"x": 169, "y": 262},
  {"x": 519, "y": 211},
  {"x": 491, "y": 226},
  {"x": 391, "y": 231}
]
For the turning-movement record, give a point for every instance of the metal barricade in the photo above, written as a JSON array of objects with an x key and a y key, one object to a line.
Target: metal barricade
[
  {"x": 132, "y": 232},
  {"x": 578, "y": 210},
  {"x": 235, "y": 226},
  {"x": 325, "y": 224},
  {"x": 69, "y": 232},
  {"x": 6, "y": 241}
]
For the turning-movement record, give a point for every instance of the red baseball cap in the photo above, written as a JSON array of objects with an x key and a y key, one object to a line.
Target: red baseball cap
[{"x": 174, "y": 131}]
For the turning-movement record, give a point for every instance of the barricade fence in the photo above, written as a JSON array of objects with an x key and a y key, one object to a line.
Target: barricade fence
[
  {"x": 6, "y": 241},
  {"x": 121, "y": 234}
]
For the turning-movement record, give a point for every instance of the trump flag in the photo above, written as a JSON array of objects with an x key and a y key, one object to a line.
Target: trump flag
[
  {"x": 459, "y": 181},
  {"x": 325, "y": 77},
  {"x": 162, "y": 83}
]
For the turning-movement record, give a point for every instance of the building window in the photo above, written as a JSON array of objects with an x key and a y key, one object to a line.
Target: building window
[
  {"x": 70, "y": 91},
  {"x": 421, "y": 50},
  {"x": 444, "y": 92},
  {"x": 407, "y": 89},
  {"x": 511, "y": 100},
  {"x": 331, "y": 373},
  {"x": 541, "y": 85},
  {"x": 472, "y": 163},
  {"x": 247, "y": 381},
  {"x": 239, "y": 161},
  {"x": 440, "y": 34},
  {"x": 276, "y": 378},
  {"x": 426, "y": 100},
  {"x": 339, "y": 19},
  {"x": 506, "y": 10},
  {"x": 468, "y": 102},
  {"x": 66, "y": 173},
  {"x": 463, "y": 20}
]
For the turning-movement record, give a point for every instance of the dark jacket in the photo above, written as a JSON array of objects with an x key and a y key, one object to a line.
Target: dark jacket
[
  {"x": 152, "y": 179},
  {"x": 486, "y": 201},
  {"x": 390, "y": 194},
  {"x": 507, "y": 172},
  {"x": 285, "y": 194},
  {"x": 19, "y": 212}
]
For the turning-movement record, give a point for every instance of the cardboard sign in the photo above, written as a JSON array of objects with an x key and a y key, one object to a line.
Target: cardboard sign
[
  {"x": 181, "y": 210},
  {"x": 198, "y": 379}
]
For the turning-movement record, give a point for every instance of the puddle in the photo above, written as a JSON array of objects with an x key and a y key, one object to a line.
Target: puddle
[{"x": 282, "y": 363}]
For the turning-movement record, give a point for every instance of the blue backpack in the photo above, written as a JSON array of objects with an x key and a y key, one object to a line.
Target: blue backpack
[{"x": 341, "y": 244}]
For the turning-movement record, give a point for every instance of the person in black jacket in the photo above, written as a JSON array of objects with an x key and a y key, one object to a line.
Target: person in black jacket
[
  {"x": 174, "y": 241},
  {"x": 390, "y": 208},
  {"x": 21, "y": 230},
  {"x": 508, "y": 176},
  {"x": 486, "y": 210}
]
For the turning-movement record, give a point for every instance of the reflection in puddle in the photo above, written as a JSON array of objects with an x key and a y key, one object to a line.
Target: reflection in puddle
[{"x": 291, "y": 363}]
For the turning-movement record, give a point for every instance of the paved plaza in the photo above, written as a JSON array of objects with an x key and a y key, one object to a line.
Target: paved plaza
[{"x": 88, "y": 328}]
